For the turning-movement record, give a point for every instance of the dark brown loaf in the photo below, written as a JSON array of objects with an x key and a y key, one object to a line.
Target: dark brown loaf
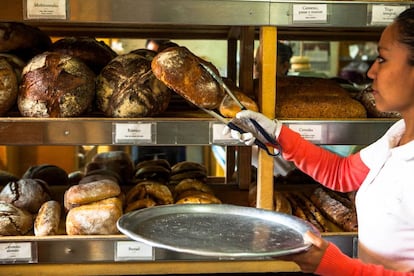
[
  {"x": 157, "y": 191},
  {"x": 334, "y": 210},
  {"x": 28, "y": 194},
  {"x": 96, "y": 54},
  {"x": 48, "y": 219},
  {"x": 56, "y": 85},
  {"x": 118, "y": 162},
  {"x": 126, "y": 87},
  {"x": 368, "y": 101},
  {"x": 14, "y": 221},
  {"x": 51, "y": 174},
  {"x": 180, "y": 70},
  {"x": 23, "y": 40},
  {"x": 9, "y": 86}
]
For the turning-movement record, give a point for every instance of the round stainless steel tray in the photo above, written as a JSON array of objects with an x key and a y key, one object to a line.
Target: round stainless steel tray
[{"x": 220, "y": 230}]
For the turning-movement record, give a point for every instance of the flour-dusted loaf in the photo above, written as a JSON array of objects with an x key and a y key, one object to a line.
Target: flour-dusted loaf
[
  {"x": 9, "y": 86},
  {"x": 97, "y": 218},
  {"x": 56, "y": 85},
  {"x": 180, "y": 70},
  {"x": 96, "y": 54},
  {"x": 14, "y": 221},
  {"x": 86, "y": 193},
  {"x": 126, "y": 87}
]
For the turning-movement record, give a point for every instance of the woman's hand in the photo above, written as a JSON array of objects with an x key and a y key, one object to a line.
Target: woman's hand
[
  {"x": 243, "y": 120},
  {"x": 309, "y": 261}
]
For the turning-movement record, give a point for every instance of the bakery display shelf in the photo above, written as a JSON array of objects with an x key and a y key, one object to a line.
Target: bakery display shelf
[
  {"x": 169, "y": 131},
  {"x": 194, "y": 19},
  {"x": 119, "y": 255}
]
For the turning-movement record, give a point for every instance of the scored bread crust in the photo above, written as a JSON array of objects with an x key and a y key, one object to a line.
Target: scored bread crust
[
  {"x": 180, "y": 70},
  {"x": 48, "y": 219}
]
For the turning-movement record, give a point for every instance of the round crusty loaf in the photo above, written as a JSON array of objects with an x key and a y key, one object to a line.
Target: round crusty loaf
[
  {"x": 28, "y": 194},
  {"x": 53, "y": 175},
  {"x": 96, "y": 54},
  {"x": 180, "y": 70},
  {"x": 14, "y": 221},
  {"x": 9, "y": 86},
  {"x": 118, "y": 162},
  {"x": 126, "y": 87},
  {"x": 55, "y": 85},
  {"x": 23, "y": 40}
]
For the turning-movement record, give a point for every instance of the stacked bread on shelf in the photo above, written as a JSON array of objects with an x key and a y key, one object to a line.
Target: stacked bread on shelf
[
  {"x": 325, "y": 209},
  {"x": 94, "y": 198},
  {"x": 78, "y": 76}
]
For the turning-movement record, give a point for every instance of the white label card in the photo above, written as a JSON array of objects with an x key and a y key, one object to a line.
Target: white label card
[
  {"x": 133, "y": 250},
  {"x": 219, "y": 137},
  {"x": 133, "y": 133},
  {"x": 310, "y": 13},
  {"x": 384, "y": 14},
  {"x": 15, "y": 252},
  {"x": 46, "y": 9},
  {"x": 309, "y": 132}
]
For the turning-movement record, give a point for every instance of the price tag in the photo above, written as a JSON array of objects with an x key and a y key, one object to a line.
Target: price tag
[
  {"x": 16, "y": 252},
  {"x": 219, "y": 138},
  {"x": 315, "y": 13},
  {"x": 132, "y": 251},
  {"x": 46, "y": 9},
  {"x": 308, "y": 132},
  {"x": 133, "y": 133},
  {"x": 385, "y": 14}
]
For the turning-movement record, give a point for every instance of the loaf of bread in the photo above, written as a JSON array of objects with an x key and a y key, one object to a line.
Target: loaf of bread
[
  {"x": 323, "y": 106},
  {"x": 97, "y": 218},
  {"x": 197, "y": 197},
  {"x": 334, "y": 210},
  {"x": 368, "y": 101},
  {"x": 48, "y": 219},
  {"x": 53, "y": 175},
  {"x": 96, "y": 54},
  {"x": 229, "y": 108},
  {"x": 56, "y": 85},
  {"x": 9, "y": 86},
  {"x": 187, "y": 169},
  {"x": 157, "y": 191},
  {"x": 90, "y": 192},
  {"x": 310, "y": 97},
  {"x": 23, "y": 40},
  {"x": 180, "y": 70},
  {"x": 118, "y": 162},
  {"x": 126, "y": 87},
  {"x": 14, "y": 221},
  {"x": 27, "y": 194}
]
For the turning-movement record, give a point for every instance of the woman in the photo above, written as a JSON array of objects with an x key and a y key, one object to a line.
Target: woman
[{"x": 382, "y": 173}]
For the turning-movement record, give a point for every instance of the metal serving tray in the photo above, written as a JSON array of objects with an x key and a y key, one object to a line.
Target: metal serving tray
[{"x": 219, "y": 230}]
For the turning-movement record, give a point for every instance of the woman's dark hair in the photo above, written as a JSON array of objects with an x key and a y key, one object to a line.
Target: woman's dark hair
[
  {"x": 284, "y": 52},
  {"x": 405, "y": 24}
]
